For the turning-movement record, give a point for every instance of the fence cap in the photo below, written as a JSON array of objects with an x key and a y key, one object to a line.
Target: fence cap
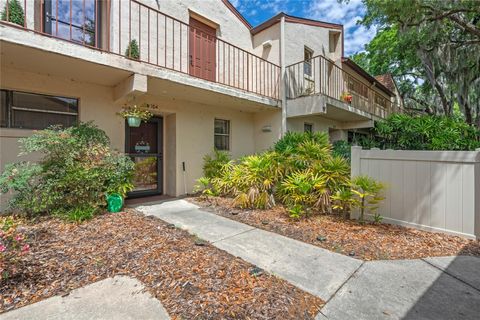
[{"x": 422, "y": 155}]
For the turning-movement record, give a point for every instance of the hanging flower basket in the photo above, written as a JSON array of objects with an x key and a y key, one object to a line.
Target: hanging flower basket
[
  {"x": 134, "y": 121},
  {"x": 136, "y": 114}
]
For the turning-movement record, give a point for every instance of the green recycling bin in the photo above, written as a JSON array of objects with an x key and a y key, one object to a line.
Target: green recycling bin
[{"x": 114, "y": 202}]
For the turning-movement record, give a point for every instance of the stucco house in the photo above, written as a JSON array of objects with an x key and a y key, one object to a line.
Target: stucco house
[{"x": 218, "y": 82}]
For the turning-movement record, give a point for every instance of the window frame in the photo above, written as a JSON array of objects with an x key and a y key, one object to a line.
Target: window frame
[
  {"x": 228, "y": 134},
  {"x": 308, "y": 124},
  {"x": 11, "y": 108},
  {"x": 307, "y": 61}
]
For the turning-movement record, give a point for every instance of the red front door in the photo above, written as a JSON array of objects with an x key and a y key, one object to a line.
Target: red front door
[{"x": 202, "y": 49}]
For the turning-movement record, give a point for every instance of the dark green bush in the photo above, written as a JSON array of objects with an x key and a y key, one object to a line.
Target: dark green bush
[
  {"x": 77, "y": 170},
  {"x": 133, "y": 51},
  {"x": 15, "y": 13},
  {"x": 342, "y": 148},
  {"x": 405, "y": 132}
]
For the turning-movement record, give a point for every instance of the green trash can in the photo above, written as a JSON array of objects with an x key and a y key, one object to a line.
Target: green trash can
[{"x": 114, "y": 202}]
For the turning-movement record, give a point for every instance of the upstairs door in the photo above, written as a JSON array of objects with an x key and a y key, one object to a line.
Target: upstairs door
[{"x": 202, "y": 50}]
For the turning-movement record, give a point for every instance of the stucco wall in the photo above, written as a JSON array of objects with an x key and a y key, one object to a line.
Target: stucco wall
[
  {"x": 319, "y": 123},
  {"x": 272, "y": 35},
  {"x": 316, "y": 38}
]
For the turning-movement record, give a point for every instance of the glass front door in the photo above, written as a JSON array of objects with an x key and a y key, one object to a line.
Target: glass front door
[{"x": 144, "y": 146}]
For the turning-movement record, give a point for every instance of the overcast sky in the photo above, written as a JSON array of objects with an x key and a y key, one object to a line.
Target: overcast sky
[{"x": 257, "y": 11}]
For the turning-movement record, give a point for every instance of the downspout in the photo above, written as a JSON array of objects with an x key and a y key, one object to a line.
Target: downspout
[{"x": 283, "y": 85}]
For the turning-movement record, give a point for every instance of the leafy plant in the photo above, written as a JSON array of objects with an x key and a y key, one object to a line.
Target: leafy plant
[
  {"x": 133, "y": 51},
  {"x": 76, "y": 171},
  {"x": 212, "y": 165},
  {"x": 368, "y": 195},
  {"x": 139, "y": 111},
  {"x": 13, "y": 244},
  {"x": 342, "y": 148},
  {"x": 303, "y": 191},
  {"x": 405, "y": 132},
  {"x": 14, "y": 11},
  {"x": 204, "y": 186},
  {"x": 343, "y": 200}
]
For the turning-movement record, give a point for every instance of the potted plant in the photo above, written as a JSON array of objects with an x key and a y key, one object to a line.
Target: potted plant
[
  {"x": 133, "y": 51},
  {"x": 347, "y": 97},
  {"x": 135, "y": 114},
  {"x": 13, "y": 13}
]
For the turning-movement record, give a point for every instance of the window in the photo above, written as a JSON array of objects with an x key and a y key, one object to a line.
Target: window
[
  {"x": 308, "y": 127},
  {"x": 381, "y": 101},
  {"x": 222, "y": 134},
  {"x": 307, "y": 64},
  {"x": 73, "y": 20},
  {"x": 333, "y": 41},
  {"x": 36, "y": 111}
]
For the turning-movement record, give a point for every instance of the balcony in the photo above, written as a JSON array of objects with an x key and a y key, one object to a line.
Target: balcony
[
  {"x": 133, "y": 32},
  {"x": 319, "y": 86}
]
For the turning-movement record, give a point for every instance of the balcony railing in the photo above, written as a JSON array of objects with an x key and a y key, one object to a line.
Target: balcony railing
[
  {"x": 325, "y": 77},
  {"x": 138, "y": 32}
]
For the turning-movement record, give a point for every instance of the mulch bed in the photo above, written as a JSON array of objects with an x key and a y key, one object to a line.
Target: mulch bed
[
  {"x": 192, "y": 281},
  {"x": 368, "y": 241}
]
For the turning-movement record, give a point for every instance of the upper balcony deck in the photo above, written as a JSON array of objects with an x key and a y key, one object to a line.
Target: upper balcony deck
[
  {"x": 134, "y": 32},
  {"x": 344, "y": 89}
]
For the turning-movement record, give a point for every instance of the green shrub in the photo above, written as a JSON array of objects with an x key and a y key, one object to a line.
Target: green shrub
[
  {"x": 212, "y": 165},
  {"x": 342, "y": 148},
  {"x": 133, "y": 51},
  {"x": 253, "y": 180},
  {"x": 405, "y": 132},
  {"x": 15, "y": 13},
  {"x": 302, "y": 191},
  {"x": 301, "y": 172},
  {"x": 368, "y": 196},
  {"x": 77, "y": 170}
]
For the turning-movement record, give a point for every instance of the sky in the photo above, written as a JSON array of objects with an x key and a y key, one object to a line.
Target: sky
[{"x": 257, "y": 11}]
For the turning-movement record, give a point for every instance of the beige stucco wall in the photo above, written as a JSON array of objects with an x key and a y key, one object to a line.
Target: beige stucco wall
[
  {"x": 272, "y": 35},
  {"x": 316, "y": 38},
  {"x": 320, "y": 124}
]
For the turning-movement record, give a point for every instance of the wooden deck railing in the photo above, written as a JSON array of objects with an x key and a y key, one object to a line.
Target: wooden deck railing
[{"x": 322, "y": 76}]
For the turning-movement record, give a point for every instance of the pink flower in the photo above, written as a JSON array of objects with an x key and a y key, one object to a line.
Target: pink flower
[
  {"x": 2, "y": 248},
  {"x": 25, "y": 248},
  {"x": 19, "y": 237}
]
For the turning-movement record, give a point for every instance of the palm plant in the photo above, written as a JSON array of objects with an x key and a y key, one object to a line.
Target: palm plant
[{"x": 368, "y": 195}]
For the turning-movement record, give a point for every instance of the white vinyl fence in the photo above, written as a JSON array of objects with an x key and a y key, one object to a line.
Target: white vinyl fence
[{"x": 431, "y": 190}]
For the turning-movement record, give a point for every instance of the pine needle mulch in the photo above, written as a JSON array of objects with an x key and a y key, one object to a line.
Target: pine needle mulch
[
  {"x": 367, "y": 242},
  {"x": 191, "y": 281}
]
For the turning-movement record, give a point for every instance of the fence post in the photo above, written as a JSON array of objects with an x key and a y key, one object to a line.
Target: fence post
[
  {"x": 355, "y": 161},
  {"x": 477, "y": 195}
]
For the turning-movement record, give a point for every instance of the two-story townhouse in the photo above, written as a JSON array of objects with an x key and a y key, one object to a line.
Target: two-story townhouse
[{"x": 217, "y": 81}]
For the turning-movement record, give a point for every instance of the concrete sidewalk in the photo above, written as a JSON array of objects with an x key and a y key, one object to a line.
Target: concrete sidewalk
[
  {"x": 433, "y": 288},
  {"x": 115, "y": 298}
]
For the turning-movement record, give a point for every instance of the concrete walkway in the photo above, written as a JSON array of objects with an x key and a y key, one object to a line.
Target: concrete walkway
[
  {"x": 115, "y": 298},
  {"x": 433, "y": 288}
]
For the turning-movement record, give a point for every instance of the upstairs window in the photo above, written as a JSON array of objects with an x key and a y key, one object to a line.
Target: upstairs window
[
  {"x": 77, "y": 20},
  {"x": 333, "y": 38},
  {"x": 36, "y": 111},
  {"x": 222, "y": 135},
  {"x": 307, "y": 58}
]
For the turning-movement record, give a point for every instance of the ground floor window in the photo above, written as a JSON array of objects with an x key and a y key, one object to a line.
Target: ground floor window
[
  {"x": 36, "y": 111},
  {"x": 308, "y": 127},
  {"x": 222, "y": 134}
]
